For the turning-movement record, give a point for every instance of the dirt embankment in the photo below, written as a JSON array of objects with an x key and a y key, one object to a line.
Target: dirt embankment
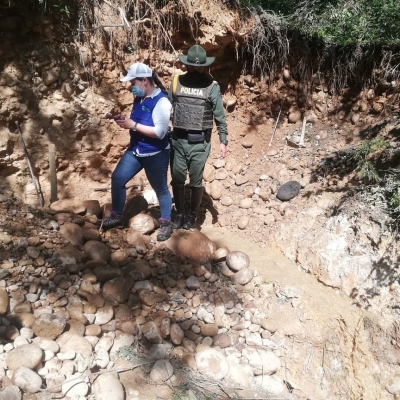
[{"x": 60, "y": 89}]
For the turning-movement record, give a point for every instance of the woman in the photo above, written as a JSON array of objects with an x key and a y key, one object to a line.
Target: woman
[{"x": 149, "y": 147}]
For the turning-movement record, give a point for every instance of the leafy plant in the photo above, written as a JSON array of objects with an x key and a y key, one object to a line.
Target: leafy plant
[
  {"x": 395, "y": 201},
  {"x": 392, "y": 189},
  {"x": 365, "y": 166},
  {"x": 367, "y": 171},
  {"x": 385, "y": 195},
  {"x": 60, "y": 7}
]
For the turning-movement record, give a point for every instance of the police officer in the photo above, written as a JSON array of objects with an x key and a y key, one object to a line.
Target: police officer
[{"x": 197, "y": 102}]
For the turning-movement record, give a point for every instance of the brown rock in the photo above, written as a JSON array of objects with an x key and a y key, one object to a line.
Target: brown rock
[
  {"x": 138, "y": 270},
  {"x": 72, "y": 233},
  {"x": 49, "y": 326},
  {"x": 176, "y": 334},
  {"x": 93, "y": 330},
  {"x": 96, "y": 250},
  {"x": 222, "y": 340},
  {"x": 116, "y": 291},
  {"x": 107, "y": 273},
  {"x": 209, "y": 330},
  {"x": 76, "y": 327},
  {"x": 92, "y": 207},
  {"x": 191, "y": 245},
  {"x": 69, "y": 205},
  {"x": 189, "y": 361},
  {"x": 134, "y": 206},
  {"x": 3, "y": 301},
  {"x": 151, "y": 332}
]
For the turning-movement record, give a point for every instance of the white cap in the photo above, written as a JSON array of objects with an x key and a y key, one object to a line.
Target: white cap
[{"x": 137, "y": 70}]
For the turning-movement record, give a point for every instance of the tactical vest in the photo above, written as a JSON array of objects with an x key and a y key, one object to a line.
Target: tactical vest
[
  {"x": 142, "y": 114},
  {"x": 193, "y": 111}
]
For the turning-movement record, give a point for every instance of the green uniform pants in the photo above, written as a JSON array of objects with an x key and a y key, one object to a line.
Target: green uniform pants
[{"x": 188, "y": 157}]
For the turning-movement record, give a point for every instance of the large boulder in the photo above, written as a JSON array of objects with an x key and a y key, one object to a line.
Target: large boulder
[{"x": 193, "y": 246}]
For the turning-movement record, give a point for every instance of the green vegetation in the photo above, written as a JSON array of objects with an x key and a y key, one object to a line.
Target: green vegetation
[
  {"x": 385, "y": 195},
  {"x": 62, "y": 7},
  {"x": 381, "y": 187},
  {"x": 392, "y": 192},
  {"x": 339, "y": 22},
  {"x": 365, "y": 166}
]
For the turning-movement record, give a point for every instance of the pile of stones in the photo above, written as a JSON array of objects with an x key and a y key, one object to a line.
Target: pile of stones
[{"x": 92, "y": 315}]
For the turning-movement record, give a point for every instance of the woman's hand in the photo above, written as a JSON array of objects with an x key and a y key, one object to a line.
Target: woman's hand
[{"x": 125, "y": 123}]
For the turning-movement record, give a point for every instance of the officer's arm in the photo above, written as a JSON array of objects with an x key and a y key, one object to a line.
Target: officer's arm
[{"x": 219, "y": 113}]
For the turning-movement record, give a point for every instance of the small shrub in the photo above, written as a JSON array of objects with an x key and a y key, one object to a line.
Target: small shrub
[{"x": 365, "y": 166}]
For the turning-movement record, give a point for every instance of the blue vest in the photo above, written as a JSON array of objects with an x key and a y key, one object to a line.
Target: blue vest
[{"x": 142, "y": 114}]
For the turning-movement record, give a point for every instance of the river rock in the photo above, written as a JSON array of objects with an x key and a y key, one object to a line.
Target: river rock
[
  {"x": 107, "y": 386},
  {"x": 26, "y": 379},
  {"x": 212, "y": 364},
  {"x": 28, "y": 355},
  {"x": 288, "y": 190}
]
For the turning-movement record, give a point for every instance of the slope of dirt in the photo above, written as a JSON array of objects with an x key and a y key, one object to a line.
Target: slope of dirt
[{"x": 60, "y": 90}]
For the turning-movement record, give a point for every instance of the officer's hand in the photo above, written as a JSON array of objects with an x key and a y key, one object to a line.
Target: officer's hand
[{"x": 222, "y": 150}]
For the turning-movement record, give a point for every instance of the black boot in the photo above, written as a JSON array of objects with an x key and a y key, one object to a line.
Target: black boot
[
  {"x": 196, "y": 196},
  {"x": 112, "y": 221},
  {"x": 179, "y": 200},
  {"x": 191, "y": 222},
  {"x": 165, "y": 230}
]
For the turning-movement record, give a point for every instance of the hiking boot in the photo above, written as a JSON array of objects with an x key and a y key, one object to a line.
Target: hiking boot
[
  {"x": 191, "y": 222},
  {"x": 178, "y": 221},
  {"x": 112, "y": 221},
  {"x": 165, "y": 230},
  {"x": 179, "y": 200},
  {"x": 196, "y": 196}
]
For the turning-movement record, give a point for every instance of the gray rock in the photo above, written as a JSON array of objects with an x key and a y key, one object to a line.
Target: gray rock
[
  {"x": 26, "y": 379},
  {"x": 205, "y": 316},
  {"x": 192, "y": 283},
  {"x": 151, "y": 332},
  {"x": 237, "y": 260},
  {"x": 75, "y": 386},
  {"x": 242, "y": 277},
  {"x": 10, "y": 392},
  {"x": 288, "y": 190},
  {"x": 161, "y": 371}
]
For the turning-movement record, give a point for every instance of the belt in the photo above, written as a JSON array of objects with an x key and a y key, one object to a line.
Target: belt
[{"x": 179, "y": 133}]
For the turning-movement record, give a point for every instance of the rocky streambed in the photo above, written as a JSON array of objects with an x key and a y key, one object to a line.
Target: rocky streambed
[{"x": 79, "y": 309}]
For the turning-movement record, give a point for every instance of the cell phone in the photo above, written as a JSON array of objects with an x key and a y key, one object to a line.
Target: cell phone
[{"x": 117, "y": 117}]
